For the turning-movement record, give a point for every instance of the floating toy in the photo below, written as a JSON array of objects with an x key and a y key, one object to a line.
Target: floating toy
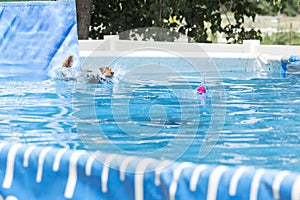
[{"x": 201, "y": 89}]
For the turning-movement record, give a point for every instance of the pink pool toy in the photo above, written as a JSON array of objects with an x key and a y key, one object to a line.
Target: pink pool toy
[{"x": 201, "y": 89}]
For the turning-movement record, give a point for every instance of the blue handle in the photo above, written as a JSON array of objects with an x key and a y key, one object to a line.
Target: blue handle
[{"x": 294, "y": 59}]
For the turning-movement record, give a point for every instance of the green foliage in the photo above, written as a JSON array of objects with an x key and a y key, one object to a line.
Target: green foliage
[
  {"x": 290, "y": 8},
  {"x": 195, "y": 19},
  {"x": 286, "y": 7},
  {"x": 282, "y": 38}
]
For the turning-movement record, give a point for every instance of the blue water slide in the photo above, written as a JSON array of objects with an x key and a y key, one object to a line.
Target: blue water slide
[{"x": 36, "y": 37}]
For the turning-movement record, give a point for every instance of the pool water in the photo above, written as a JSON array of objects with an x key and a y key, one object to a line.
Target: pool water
[
  {"x": 160, "y": 117},
  {"x": 37, "y": 112},
  {"x": 262, "y": 122}
]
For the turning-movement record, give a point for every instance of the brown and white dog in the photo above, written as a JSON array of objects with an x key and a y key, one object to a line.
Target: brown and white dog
[
  {"x": 106, "y": 72},
  {"x": 101, "y": 75},
  {"x": 68, "y": 62}
]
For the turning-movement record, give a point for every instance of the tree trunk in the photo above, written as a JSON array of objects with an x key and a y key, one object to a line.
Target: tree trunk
[{"x": 84, "y": 13}]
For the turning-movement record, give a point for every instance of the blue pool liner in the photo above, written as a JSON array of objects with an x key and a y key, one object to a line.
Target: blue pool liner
[{"x": 32, "y": 172}]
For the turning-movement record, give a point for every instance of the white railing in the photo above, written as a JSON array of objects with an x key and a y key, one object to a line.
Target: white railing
[{"x": 111, "y": 46}]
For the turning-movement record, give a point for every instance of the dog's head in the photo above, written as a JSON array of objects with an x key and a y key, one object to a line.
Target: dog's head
[
  {"x": 68, "y": 62},
  {"x": 106, "y": 72}
]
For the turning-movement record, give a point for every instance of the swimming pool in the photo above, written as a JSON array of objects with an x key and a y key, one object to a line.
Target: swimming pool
[
  {"x": 142, "y": 113},
  {"x": 150, "y": 128},
  {"x": 159, "y": 138}
]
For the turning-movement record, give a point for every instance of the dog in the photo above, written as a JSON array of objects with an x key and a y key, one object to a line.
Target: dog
[
  {"x": 68, "y": 62},
  {"x": 101, "y": 75},
  {"x": 106, "y": 72},
  {"x": 65, "y": 71}
]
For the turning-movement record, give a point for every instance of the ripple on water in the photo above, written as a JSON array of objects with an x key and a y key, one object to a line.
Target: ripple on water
[{"x": 261, "y": 124}]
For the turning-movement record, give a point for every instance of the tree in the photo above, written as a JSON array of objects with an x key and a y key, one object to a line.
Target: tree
[
  {"x": 84, "y": 11},
  {"x": 287, "y": 7},
  {"x": 196, "y": 19}
]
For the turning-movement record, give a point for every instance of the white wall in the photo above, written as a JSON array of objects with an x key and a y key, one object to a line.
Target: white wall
[
  {"x": 111, "y": 45},
  {"x": 251, "y": 55}
]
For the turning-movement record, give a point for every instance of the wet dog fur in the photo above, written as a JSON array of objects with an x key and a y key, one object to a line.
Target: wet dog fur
[
  {"x": 99, "y": 76},
  {"x": 68, "y": 62}
]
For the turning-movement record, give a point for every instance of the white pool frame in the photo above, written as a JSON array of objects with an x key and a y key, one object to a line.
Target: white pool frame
[{"x": 263, "y": 57}]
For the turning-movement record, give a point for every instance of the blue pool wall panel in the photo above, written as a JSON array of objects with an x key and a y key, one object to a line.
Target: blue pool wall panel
[{"x": 33, "y": 172}]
